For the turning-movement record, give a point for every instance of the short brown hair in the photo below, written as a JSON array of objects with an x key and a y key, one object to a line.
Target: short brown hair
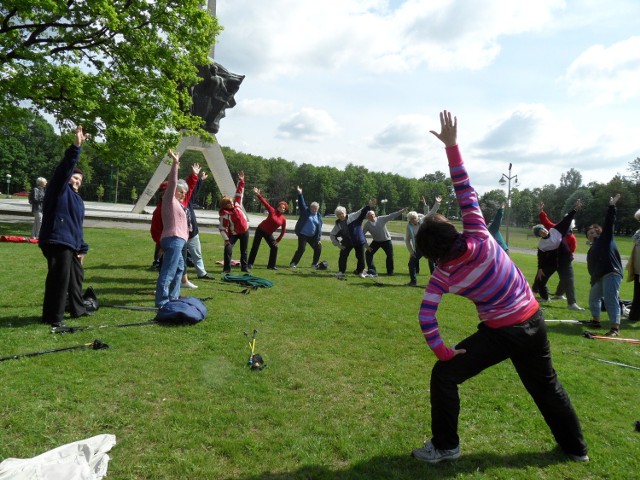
[{"x": 435, "y": 237}]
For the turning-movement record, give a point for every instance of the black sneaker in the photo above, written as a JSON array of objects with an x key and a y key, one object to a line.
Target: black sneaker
[
  {"x": 272, "y": 268},
  {"x": 592, "y": 324},
  {"x": 206, "y": 276}
]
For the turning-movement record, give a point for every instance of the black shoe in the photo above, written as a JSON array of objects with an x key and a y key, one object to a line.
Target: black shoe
[
  {"x": 272, "y": 268},
  {"x": 592, "y": 324},
  {"x": 57, "y": 324},
  {"x": 411, "y": 284},
  {"x": 206, "y": 276}
]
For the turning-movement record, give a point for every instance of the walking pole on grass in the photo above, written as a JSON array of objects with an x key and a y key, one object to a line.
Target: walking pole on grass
[{"x": 95, "y": 345}]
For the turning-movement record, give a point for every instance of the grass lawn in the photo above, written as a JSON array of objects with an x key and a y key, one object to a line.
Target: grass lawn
[{"x": 345, "y": 394}]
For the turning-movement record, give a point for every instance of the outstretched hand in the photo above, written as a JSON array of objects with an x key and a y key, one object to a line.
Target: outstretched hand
[
  {"x": 299, "y": 189},
  {"x": 578, "y": 205},
  {"x": 614, "y": 200},
  {"x": 438, "y": 198},
  {"x": 195, "y": 168},
  {"x": 256, "y": 190},
  {"x": 80, "y": 136},
  {"x": 448, "y": 129},
  {"x": 174, "y": 156}
]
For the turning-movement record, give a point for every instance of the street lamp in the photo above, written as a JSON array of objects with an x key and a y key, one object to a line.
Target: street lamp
[
  {"x": 384, "y": 206},
  {"x": 506, "y": 179},
  {"x": 8, "y": 183}
]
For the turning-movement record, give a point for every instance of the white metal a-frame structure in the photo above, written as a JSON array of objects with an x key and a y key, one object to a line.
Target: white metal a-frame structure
[{"x": 212, "y": 154}]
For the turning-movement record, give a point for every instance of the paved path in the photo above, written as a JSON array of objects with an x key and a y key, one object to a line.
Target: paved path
[{"x": 110, "y": 215}]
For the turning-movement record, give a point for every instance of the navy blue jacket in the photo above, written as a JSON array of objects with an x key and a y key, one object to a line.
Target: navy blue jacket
[
  {"x": 603, "y": 257},
  {"x": 63, "y": 208}
]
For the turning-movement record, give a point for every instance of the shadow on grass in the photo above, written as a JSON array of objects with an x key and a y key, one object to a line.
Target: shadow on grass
[
  {"x": 18, "y": 322},
  {"x": 406, "y": 467}
]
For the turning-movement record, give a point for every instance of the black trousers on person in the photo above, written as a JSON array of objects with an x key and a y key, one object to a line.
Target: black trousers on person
[
  {"x": 634, "y": 311},
  {"x": 302, "y": 245},
  {"x": 527, "y": 346},
  {"x": 228, "y": 251},
  {"x": 387, "y": 246},
  {"x": 273, "y": 245},
  {"x": 344, "y": 255},
  {"x": 64, "y": 277}
]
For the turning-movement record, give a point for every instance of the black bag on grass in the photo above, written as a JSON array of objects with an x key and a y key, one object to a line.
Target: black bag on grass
[{"x": 184, "y": 311}]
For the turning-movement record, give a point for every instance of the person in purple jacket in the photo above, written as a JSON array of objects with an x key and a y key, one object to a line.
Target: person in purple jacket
[
  {"x": 61, "y": 238},
  {"x": 472, "y": 264}
]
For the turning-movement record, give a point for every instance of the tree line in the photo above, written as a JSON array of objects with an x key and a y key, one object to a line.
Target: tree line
[{"x": 34, "y": 149}]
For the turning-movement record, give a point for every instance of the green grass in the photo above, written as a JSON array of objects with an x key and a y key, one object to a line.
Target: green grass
[{"x": 345, "y": 394}]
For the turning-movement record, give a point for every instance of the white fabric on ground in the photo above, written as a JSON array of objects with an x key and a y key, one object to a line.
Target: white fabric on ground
[{"x": 82, "y": 460}]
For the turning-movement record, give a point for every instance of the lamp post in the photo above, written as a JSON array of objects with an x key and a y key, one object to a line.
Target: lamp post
[
  {"x": 506, "y": 179},
  {"x": 8, "y": 184},
  {"x": 384, "y": 206}
]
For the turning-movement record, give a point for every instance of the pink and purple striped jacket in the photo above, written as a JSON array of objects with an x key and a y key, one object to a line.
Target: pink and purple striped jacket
[{"x": 484, "y": 273}]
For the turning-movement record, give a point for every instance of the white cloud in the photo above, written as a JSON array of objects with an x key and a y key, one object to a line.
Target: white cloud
[
  {"x": 607, "y": 74},
  {"x": 309, "y": 125},
  {"x": 404, "y": 133},
  {"x": 287, "y": 37},
  {"x": 261, "y": 107}
]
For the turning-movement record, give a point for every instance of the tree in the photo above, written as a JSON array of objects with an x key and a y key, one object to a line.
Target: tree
[{"x": 121, "y": 68}]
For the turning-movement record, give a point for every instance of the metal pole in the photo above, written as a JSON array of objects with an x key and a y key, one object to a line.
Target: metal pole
[
  {"x": 508, "y": 203},
  {"x": 211, "y": 5}
]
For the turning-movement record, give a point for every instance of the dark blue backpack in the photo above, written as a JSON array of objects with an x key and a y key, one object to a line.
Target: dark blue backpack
[{"x": 183, "y": 311}]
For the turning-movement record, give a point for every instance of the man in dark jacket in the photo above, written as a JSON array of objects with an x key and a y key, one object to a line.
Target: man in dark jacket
[
  {"x": 605, "y": 268},
  {"x": 309, "y": 230},
  {"x": 61, "y": 238},
  {"x": 348, "y": 229}
]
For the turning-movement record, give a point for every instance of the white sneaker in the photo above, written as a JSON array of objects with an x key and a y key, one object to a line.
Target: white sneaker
[
  {"x": 364, "y": 275},
  {"x": 188, "y": 284},
  {"x": 558, "y": 297},
  {"x": 576, "y": 307},
  {"x": 340, "y": 275},
  {"x": 543, "y": 300},
  {"x": 431, "y": 454},
  {"x": 292, "y": 265}
]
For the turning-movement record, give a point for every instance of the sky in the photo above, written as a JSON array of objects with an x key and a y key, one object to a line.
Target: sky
[{"x": 545, "y": 85}]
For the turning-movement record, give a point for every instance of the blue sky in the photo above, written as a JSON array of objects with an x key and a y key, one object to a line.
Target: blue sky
[{"x": 547, "y": 85}]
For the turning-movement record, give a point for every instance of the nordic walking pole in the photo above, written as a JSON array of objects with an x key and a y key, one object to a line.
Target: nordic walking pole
[
  {"x": 95, "y": 345},
  {"x": 615, "y": 339},
  {"x": 81, "y": 328}
]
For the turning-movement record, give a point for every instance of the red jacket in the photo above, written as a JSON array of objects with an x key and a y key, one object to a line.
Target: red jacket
[{"x": 233, "y": 221}]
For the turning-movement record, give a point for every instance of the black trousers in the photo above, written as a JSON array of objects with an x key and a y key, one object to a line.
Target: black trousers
[
  {"x": 228, "y": 251},
  {"x": 64, "y": 277},
  {"x": 634, "y": 312},
  {"x": 344, "y": 255},
  {"x": 527, "y": 346},
  {"x": 387, "y": 246},
  {"x": 268, "y": 237},
  {"x": 302, "y": 245}
]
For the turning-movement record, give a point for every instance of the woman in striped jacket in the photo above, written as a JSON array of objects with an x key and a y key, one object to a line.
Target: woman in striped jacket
[{"x": 472, "y": 264}]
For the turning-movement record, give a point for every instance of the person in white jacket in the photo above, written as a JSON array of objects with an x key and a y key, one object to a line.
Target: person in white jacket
[{"x": 380, "y": 238}]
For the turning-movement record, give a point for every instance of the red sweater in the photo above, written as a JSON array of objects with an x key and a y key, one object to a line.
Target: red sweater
[
  {"x": 273, "y": 221},
  {"x": 233, "y": 221}
]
